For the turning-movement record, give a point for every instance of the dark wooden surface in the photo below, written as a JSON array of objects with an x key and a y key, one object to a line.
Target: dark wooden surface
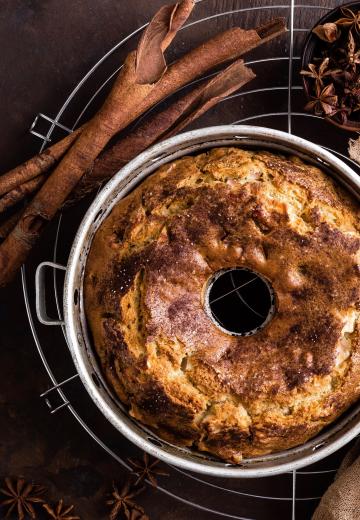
[{"x": 46, "y": 48}]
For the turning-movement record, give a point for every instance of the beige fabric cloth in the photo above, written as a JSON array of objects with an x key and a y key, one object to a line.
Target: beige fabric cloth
[
  {"x": 342, "y": 500},
  {"x": 354, "y": 149}
]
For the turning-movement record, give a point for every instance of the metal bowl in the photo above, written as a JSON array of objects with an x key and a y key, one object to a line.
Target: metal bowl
[
  {"x": 313, "y": 46},
  {"x": 79, "y": 340}
]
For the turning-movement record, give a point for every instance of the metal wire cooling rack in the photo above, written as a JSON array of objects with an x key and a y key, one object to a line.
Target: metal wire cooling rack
[{"x": 277, "y": 103}]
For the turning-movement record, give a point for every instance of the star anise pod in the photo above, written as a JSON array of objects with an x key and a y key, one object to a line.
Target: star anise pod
[
  {"x": 146, "y": 469},
  {"x": 138, "y": 515},
  {"x": 329, "y": 32},
  {"x": 123, "y": 504},
  {"x": 343, "y": 115},
  {"x": 353, "y": 55},
  {"x": 350, "y": 19},
  {"x": 325, "y": 102},
  {"x": 60, "y": 512},
  {"x": 352, "y": 87},
  {"x": 321, "y": 72},
  {"x": 22, "y": 496}
]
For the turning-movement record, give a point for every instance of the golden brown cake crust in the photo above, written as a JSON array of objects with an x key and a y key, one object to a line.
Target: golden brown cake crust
[{"x": 181, "y": 375}]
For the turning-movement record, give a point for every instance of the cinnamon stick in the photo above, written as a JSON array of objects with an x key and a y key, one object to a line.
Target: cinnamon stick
[
  {"x": 160, "y": 126},
  {"x": 128, "y": 99},
  {"x": 36, "y": 165},
  {"x": 230, "y": 45},
  {"x": 8, "y": 225},
  {"x": 150, "y": 65},
  {"x": 150, "y": 60},
  {"x": 163, "y": 125},
  {"x": 16, "y": 195},
  {"x": 223, "y": 47}
]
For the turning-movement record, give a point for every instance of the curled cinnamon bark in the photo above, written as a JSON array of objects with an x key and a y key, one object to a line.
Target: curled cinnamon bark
[
  {"x": 21, "y": 192},
  {"x": 8, "y": 225},
  {"x": 223, "y": 47},
  {"x": 157, "y": 37},
  {"x": 163, "y": 125},
  {"x": 150, "y": 60},
  {"x": 128, "y": 99},
  {"x": 160, "y": 126},
  {"x": 37, "y": 165},
  {"x": 125, "y": 102}
]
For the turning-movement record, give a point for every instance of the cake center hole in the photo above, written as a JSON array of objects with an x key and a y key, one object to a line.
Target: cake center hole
[{"x": 239, "y": 301}]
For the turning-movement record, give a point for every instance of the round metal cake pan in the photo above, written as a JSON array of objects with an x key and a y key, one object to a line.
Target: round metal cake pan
[{"x": 79, "y": 339}]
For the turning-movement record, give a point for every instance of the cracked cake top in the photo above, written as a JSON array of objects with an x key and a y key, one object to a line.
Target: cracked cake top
[{"x": 146, "y": 275}]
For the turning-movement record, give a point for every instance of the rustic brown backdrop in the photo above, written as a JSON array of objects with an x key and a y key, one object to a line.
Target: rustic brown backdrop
[{"x": 46, "y": 48}]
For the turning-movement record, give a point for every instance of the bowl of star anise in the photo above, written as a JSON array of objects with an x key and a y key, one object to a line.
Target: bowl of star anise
[{"x": 331, "y": 67}]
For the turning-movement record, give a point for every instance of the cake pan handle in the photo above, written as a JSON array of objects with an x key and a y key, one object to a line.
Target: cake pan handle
[{"x": 40, "y": 293}]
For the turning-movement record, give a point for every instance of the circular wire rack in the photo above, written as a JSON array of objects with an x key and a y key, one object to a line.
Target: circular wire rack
[{"x": 276, "y": 103}]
